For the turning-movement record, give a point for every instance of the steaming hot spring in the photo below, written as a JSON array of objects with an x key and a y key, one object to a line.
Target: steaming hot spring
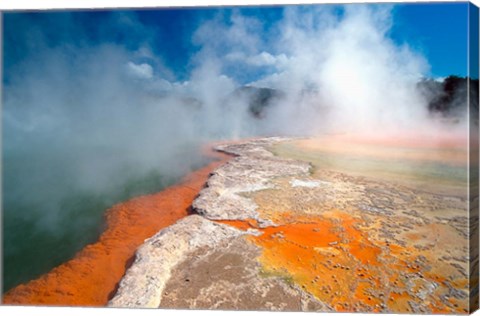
[
  {"x": 271, "y": 158},
  {"x": 346, "y": 211}
]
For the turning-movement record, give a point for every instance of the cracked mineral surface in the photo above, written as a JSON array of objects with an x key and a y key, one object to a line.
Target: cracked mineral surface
[{"x": 316, "y": 224}]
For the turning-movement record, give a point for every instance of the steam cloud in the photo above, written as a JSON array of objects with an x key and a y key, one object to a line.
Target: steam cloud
[{"x": 85, "y": 115}]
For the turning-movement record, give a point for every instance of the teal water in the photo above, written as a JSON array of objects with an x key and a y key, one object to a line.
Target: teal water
[{"x": 46, "y": 220}]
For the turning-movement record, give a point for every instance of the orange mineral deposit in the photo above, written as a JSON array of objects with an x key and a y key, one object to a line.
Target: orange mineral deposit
[
  {"x": 91, "y": 277},
  {"x": 332, "y": 257}
]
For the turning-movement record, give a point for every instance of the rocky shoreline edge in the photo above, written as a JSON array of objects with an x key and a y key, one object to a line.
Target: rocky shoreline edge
[{"x": 199, "y": 240}]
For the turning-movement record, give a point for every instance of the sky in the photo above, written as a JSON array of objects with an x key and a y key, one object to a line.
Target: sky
[{"x": 438, "y": 32}]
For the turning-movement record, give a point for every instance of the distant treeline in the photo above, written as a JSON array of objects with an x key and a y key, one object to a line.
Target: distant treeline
[
  {"x": 450, "y": 96},
  {"x": 258, "y": 99}
]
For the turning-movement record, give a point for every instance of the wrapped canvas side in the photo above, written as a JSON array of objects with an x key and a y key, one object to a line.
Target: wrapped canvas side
[{"x": 474, "y": 147}]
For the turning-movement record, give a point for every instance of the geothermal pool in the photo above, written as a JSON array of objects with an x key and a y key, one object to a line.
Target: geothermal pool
[
  {"x": 40, "y": 234},
  {"x": 377, "y": 225}
]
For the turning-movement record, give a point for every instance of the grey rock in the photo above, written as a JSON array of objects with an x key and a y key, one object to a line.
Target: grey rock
[
  {"x": 252, "y": 170},
  {"x": 144, "y": 282}
]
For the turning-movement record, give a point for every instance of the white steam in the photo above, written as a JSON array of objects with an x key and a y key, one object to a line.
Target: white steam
[{"x": 103, "y": 112}]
